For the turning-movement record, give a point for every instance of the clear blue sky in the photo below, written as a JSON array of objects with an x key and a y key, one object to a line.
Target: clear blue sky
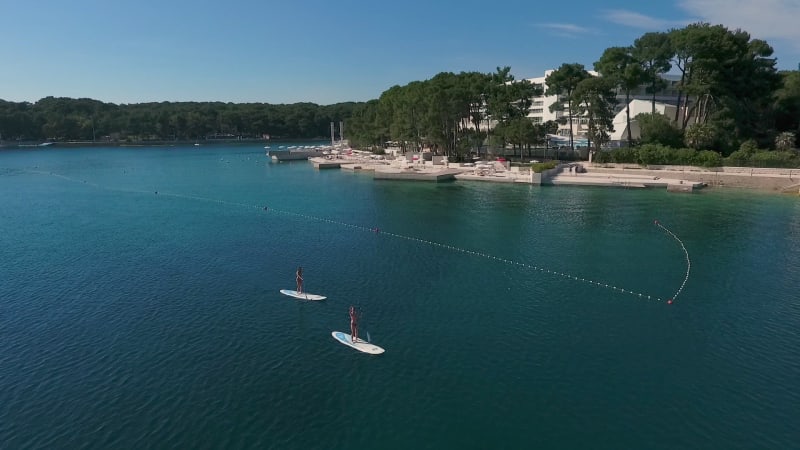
[{"x": 328, "y": 51}]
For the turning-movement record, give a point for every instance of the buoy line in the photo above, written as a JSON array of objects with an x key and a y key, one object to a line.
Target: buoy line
[
  {"x": 377, "y": 230},
  {"x": 688, "y": 261},
  {"x": 470, "y": 252}
]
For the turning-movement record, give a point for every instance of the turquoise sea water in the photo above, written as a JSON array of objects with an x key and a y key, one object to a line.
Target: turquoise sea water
[{"x": 139, "y": 308}]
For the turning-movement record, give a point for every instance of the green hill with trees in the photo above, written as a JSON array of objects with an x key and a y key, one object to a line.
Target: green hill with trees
[
  {"x": 730, "y": 91},
  {"x": 66, "y": 119},
  {"x": 732, "y": 102}
]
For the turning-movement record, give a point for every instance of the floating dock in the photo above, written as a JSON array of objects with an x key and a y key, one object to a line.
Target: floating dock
[
  {"x": 624, "y": 181},
  {"x": 324, "y": 163},
  {"x": 565, "y": 175},
  {"x": 416, "y": 175},
  {"x": 504, "y": 178},
  {"x": 293, "y": 155}
]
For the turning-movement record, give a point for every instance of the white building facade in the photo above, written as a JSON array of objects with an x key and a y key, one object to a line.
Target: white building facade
[
  {"x": 637, "y": 106},
  {"x": 540, "y": 107}
]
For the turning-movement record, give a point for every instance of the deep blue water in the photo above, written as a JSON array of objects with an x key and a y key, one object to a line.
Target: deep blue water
[{"x": 139, "y": 308}]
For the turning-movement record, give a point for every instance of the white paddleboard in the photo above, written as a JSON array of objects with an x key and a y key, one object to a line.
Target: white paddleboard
[
  {"x": 359, "y": 344},
  {"x": 302, "y": 295}
]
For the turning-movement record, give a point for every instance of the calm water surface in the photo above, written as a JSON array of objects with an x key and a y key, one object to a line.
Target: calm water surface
[{"x": 139, "y": 308}]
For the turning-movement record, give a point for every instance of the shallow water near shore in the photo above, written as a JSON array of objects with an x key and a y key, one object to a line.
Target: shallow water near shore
[{"x": 140, "y": 309}]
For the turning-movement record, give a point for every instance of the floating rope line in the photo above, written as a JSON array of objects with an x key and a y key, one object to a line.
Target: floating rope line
[
  {"x": 401, "y": 236},
  {"x": 468, "y": 252},
  {"x": 688, "y": 261}
]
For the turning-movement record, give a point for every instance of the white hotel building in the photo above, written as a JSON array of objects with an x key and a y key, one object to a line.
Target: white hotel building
[{"x": 540, "y": 109}]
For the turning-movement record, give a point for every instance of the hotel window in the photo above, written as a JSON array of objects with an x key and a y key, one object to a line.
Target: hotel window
[{"x": 537, "y": 110}]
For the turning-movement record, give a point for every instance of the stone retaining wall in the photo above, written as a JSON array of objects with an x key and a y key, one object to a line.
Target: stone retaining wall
[{"x": 739, "y": 177}]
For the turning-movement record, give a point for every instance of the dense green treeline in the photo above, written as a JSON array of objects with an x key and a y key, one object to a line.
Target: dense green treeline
[
  {"x": 66, "y": 119},
  {"x": 729, "y": 93},
  {"x": 451, "y": 114},
  {"x": 748, "y": 155}
]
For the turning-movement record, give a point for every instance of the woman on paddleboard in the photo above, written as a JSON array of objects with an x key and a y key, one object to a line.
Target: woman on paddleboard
[
  {"x": 299, "y": 279},
  {"x": 353, "y": 324}
]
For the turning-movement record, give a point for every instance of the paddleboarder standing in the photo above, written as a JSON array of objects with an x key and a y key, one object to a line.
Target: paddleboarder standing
[
  {"x": 299, "y": 279},
  {"x": 353, "y": 324}
]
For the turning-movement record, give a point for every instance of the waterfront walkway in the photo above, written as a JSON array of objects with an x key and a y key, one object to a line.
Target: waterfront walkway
[
  {"x": 573, "y": 174},
  {"x": 672, "y": 178}
]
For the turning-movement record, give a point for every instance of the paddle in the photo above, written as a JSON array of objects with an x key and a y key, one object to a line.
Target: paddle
[{"x": 360, "y": 320}]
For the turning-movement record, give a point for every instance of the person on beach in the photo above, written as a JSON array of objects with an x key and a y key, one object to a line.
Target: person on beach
[
  {"x": 353, "y": 324},
  {"x": 299, "y": 279}
]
